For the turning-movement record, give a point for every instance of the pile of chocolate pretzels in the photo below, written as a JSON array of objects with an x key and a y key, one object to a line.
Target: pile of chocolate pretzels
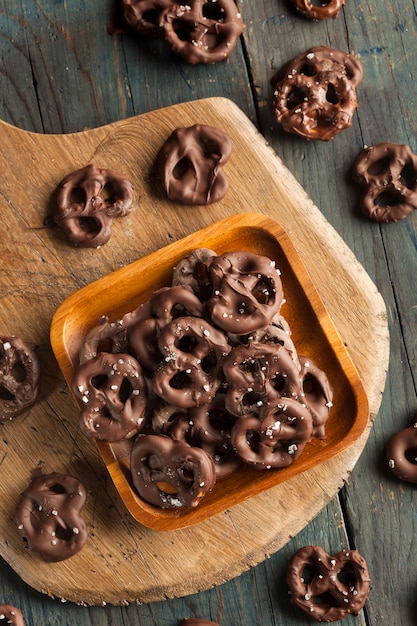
[
  {"x": 199, "y": 31},
  {"x": 205, "y": 377}
]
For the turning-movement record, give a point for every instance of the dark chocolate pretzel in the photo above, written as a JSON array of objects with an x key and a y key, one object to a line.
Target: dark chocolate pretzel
[
  {"x": 257, "y": 374},
  {"x": 165, "y": 305},
  {"x": 388, "y": 173},
  {"x": 328, "y": 588},
  {"x": 401, "y": 452},
  {"x": 143, "y": 16},
  {"x": 192, "y": 271},
  {"x": 208, "y": 427},
  {"x": 19, "y": 377},
  {"x": 190, "y": 164},
  {"x": 113, "y": 389},
  {"x": 327, "y": 8},
  {"x": 277, "y": 438},
  {"x": 247, "y": 292},
  {"x": 314, "y": 94},
  {"x": 12, "y": 614},
  {"x": 86, "y": 201},
  {"x": 317, "y": 393},
  {"x": 202, "y": 31},
  {"x": 169, "y": 473},
  {"x": 192, "y": 352},
  {"x": 48, "y": 515}
]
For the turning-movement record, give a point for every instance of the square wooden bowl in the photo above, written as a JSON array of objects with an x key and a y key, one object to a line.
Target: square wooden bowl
[{"x": 313, "y": 333}]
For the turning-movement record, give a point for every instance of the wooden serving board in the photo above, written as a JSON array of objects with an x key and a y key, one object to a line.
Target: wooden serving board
[{"x": 123, "y": 561}]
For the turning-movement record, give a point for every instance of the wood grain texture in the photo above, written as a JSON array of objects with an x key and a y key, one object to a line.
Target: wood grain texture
[{"x": 58, "y": 445}]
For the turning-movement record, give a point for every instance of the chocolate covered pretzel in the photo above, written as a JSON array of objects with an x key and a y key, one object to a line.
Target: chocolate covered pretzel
[
  {"x": 48, "y": 516},
  {"x": 192, "y": 351},
  {"x": 143, "y": 16},
  {"x": 192, "y": 271},
  {"x": 113, "y": 390},
  {"x": 19, "y": 377},
  {"x": 328, "y": 587},
  {"x": 12, "y": 615},
  {"x": 247, "y": 292},
  {"x": 257, "y": 374},
  {"x": 401, "y": 453},
  {"x": 86, "y": 201},
  {"x": 388, "y": 174},
  {"x": 315, "y": 11},
  {"x": 314, "y": 94},
  {"x": 276, "y": 438},
  {"x": 202, "y": 31},
  {"x": 190, "y": 164},
  {"x": 169, "y": 473},
  {"x": 317, "y": 393}
]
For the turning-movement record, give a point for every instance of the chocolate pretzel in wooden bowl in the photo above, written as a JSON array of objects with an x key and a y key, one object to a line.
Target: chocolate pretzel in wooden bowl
[{"x": 164, "y": 418}]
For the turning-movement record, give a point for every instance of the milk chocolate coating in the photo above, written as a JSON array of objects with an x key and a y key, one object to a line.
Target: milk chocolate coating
[
  {"x": 105, "y": 337},
  {"x": 144, "y": 16},
  {"x": 329, "y": 8},
  {"x": 192, "y": 271},
  {"x": 317, "y": 392},
  {"x": 19, "y": 377},
  {"x": 336, "y": 587},
  {"x": 86, "y": 201},
  {"x": 169, "y": 473},
  {"x": 401, "y": 452},
  {"x": 277, "y": 438},
  {"x": 247, "y": 292},
  {"x": 113, "y": 389},
  {"x": 13, "y": 615},
  {"x": 314, "y": 94},
  {"x": 388, "y": 173},
  {"x": 208, "y": 427},
  {"x": 190, "y": 164},
  {"x": 202, "y": 31},
  {"x": 165, "y": 305},
  {"x": 48, "y": 516},
  {"x": 257, "y": 374}
]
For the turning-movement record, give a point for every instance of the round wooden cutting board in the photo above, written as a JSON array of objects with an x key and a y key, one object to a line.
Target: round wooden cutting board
[{"x": 124, "y": 561}]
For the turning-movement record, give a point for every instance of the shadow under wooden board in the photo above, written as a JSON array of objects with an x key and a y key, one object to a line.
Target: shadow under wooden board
[{"x": 123, "y": 560}]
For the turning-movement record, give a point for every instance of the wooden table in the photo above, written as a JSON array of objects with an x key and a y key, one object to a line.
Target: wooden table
[{"x": 61, "y": 72}]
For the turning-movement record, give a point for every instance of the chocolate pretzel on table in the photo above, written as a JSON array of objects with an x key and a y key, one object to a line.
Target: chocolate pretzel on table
[
  {"x": 314, "y": 94},
  {"x": 327, "y": 587},
  {"x": 388, "y": 174},
  {"x": 200, "y": 31},
  {"x": 318, "y": 11}
]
